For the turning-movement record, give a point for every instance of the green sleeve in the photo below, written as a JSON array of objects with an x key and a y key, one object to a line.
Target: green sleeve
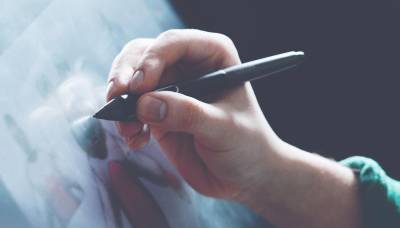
[{"x": 380, "y": 194}]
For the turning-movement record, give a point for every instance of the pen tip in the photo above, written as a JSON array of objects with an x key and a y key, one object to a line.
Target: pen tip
[
  {"x": 116, "y": 109},
  {"x": 96, "y": 116},
  {"x": 109, "y": 111}
]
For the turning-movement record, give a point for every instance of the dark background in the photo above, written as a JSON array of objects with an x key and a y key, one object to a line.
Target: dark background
[{"x": 344, "y": 100}]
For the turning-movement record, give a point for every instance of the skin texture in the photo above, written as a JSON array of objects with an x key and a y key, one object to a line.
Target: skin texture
[{"x": 225, "y": 148}]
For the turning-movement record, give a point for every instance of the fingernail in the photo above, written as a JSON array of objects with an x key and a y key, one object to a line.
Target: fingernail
[
  {"x": 110, "y": 90},
  {"x": 154, "y": 110},
  {"x": 136, "y": 80}
]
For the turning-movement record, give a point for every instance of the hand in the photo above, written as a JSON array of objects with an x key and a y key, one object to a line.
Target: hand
[
  {"x": 220, "y": 148},
  {"x": 225, "y": 148}
]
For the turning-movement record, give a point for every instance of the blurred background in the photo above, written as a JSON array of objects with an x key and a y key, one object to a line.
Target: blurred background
[{"x": 345, "y": 99}]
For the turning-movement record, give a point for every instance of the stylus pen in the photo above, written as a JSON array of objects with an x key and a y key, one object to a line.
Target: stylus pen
[{"x": 123, "y": 107}]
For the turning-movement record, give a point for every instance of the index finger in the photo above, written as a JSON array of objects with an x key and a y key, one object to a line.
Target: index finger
[
  {"x": 188, "y": 45},
  {"x": 122, "y": 67}
]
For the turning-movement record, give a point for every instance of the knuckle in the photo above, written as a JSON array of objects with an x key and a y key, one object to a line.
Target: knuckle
[
  {"x": 149, "y": 54},
  {"x": 118, "y": 72},
  {"x": 224, "y": 39},
  {"x": 171, "y": 34},
  {"x": 227, "y": 49},
  {"x": 151, "y": 59}
]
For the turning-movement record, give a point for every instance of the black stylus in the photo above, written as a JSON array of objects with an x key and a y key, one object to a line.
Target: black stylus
[{"x": 123, "y": 108}]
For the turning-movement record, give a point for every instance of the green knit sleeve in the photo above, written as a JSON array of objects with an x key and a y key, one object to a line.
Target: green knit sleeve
[{"x": 380, "y": 194}]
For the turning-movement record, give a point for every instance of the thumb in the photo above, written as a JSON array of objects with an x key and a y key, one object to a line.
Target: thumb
[{"x": 176, "y": 112}]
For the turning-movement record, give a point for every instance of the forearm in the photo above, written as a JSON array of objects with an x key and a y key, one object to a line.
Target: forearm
[{"x": 306, "y": 190}]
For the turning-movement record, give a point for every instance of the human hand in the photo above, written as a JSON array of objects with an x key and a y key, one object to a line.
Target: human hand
[{"x": 220, "y": 148}]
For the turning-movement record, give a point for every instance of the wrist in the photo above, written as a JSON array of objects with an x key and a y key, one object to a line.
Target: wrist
[
  {"x": 305, "y": 189},
  {"x": 264, "y": 171},
  {"x": 274, "y": 176}
]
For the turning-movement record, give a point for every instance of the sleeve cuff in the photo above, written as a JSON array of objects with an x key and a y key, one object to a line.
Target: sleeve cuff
[{"x": 380, "y": 194}]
